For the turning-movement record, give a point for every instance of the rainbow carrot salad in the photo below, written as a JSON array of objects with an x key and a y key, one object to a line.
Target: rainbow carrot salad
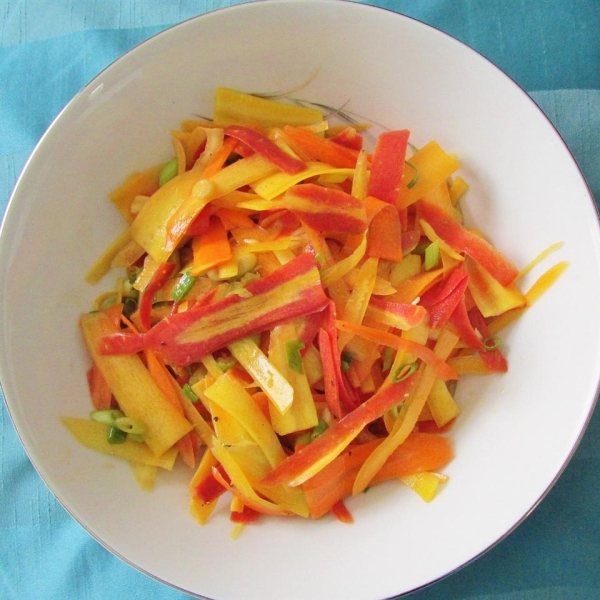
[{"x": 294, "y": 313}]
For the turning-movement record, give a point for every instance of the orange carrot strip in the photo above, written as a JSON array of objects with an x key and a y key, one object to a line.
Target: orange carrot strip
[
  {"x": 442, "y": 369},
  {"x": 210, "y": 249},
  {"x": 420, "y": 452},
  {"x": 166, "y": 383},
  {"x": 322, "y": 149},
  {"x": 219, "y": 158}
]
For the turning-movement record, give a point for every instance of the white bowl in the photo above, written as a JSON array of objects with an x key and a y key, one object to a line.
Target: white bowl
[{"x": 517, "y": 431}]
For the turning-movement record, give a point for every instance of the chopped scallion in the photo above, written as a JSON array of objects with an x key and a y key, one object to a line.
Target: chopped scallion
[
  {"x": 294, "y": 358},
  {"x": 108, "y": 417},
  {"x": 492, "y": 343},
  {"x": 168, "y": 172},
  {"x": 129, "y": 425},
  {"x": 183, "y": 286},
  {"x": 116, "y": 435},
  {"x": 432, "y": 255},
  {"x": 320, "y": 428},
  {"x": 347, "y": 359},
  {"x": 189, "y": 392},
  {"x": 404, "y": 372}
]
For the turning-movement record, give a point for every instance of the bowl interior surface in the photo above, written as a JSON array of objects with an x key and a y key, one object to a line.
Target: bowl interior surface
[{"x": 516, "y": 431}]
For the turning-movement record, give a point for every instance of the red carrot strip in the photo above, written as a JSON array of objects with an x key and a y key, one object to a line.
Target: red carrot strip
[
  {"x": 325, "y": 209},
  {"x": 267, "y": 148},
  {"x": 291, "y": 291},
  {"x": 441, "y": 300},
  {"x": 158, "y": 280},
  {"x": 387, "y": 166},
  {"x": 322, "y": 149},
  {"x": 303, "y": 464},
  {"x": 330, "y": 379},
  {"x": 462, "y": 240}
]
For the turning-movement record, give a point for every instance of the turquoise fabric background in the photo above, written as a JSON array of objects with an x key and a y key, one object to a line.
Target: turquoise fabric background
[{"x": 50, "y": 50}]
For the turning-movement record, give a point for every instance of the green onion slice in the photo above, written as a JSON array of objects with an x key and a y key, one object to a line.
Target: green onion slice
[
  {"x": 129, "y": 425},
  {"x": 492, "y": 343},
  {"x": 320, "y": 428},
  {"x": 183, "y": 286},
  {"x": 294, "y": 358},
  {"x": 108, "y": 417},
  {"x": 116, "y": 435},
  {"x": 189, "y": 392},
  {"x": 347, "y": 359},
  {"x": 168, "y": 172},
  {"x": 432, "y": 255},
  {"x": 404, "y": 372}
]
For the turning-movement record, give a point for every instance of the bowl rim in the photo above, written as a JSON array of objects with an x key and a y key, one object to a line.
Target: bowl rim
[{"x": 190, "y": 21}]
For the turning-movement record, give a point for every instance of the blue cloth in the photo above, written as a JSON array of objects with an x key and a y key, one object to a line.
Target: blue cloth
[{"x": 49, "y": 50}]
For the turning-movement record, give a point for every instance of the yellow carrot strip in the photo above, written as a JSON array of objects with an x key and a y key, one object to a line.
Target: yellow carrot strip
[
  {"x": 185, "y": 209},
  {"x": 539, "y": 258},
  {"x": 274, "y": 185},
  {"x": 403, "y": 427},
  {"x": 210, "y": 249},
  {"x": 143, "y": 183},
  {"x": 132, "y": 385},
  {"x": 270, "y": 380},
  {"x": 434, "y": 237},
  {"x": 240, "y": 486},
  {"x": 333, "y": 273},
  {"x": 441, "y": 404},
  {"x": 214, "y": 143},
  {"x": 104, "y": 262},
  {"x": 255, "y": 466},
  {"x": 231, "y": 396},
  {"x": 232, "y": 107},
  {"x": 282, "y": 243},
  {"x": 361, "y": 175},
  {"x": 490, "y": 296},
  {"x": 179, "y": 154},
  {"x": 401, "y": 271},
  {"x": 433, "y": 165},
  {"x": 201, "y": 510},
  {"x": 94, "y": 435},
  {"x": 468, "y": 364},
  {"x": 413, "y": 287},
  {"x": 426, "y": 484},
  {"x": 355, "y": 309},
  {"x": 538, "y": 289},
  {"x": 144, "y": 475},
  {"x": 302, "y": 414},
  {"x": 458, "y": 188}
]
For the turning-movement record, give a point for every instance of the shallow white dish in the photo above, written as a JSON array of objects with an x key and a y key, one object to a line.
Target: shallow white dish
[{"x": 516, "y": 432}]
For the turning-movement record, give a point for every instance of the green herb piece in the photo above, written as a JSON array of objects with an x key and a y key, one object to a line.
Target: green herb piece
[
  {"x": 404, "y": 372},
  {"x": 189, "y": 392},
  {"x": 183, "y": 286},
  {"x": 432, "y": 255},
  {"x": 168, "y": 172},
  {"x": 415, "y": 178},
  {"x": 294, "y": 358}
]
